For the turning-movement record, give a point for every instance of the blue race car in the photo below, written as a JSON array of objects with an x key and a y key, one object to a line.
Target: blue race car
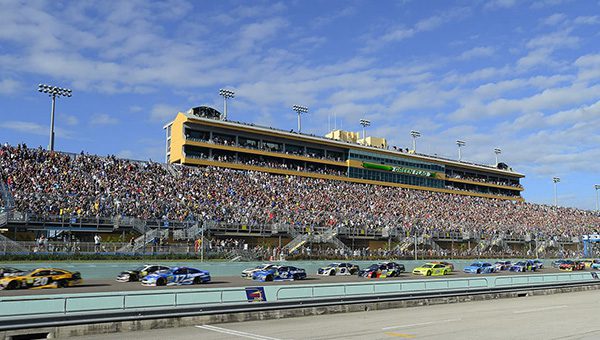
[
  {"x": 523, "y": 266},
  {"x": 480, "y": 268},
  {"x": 177, "y": 276},
  {"x": 279, "y": 273}
]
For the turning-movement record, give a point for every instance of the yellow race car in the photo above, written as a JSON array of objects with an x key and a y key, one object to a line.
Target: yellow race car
[
  {"x": 41, "y": 278},
  {"x": 589, "y": 262},
  {"x": 432, "y": 269}
]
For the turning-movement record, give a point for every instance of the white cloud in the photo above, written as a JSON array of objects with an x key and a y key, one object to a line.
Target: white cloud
[
  {"x": 70, "y": 120},
  {"x": 554, "y": 19},
  {"x": 26, "y": 127},
  {"x": 587, "y": 20},
  {"x": 163, "y": 112},
  {"x": 402, "y": 32},
  {"x": 477, "y": 52},
  {"x": 103, "y": 119},
  {"x": 9, "y": 86},
  {"x": 499, "y": 4}
]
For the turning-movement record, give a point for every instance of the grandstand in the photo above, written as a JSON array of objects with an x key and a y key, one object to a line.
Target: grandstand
[
  {"x": 200, "y": 137},
  {"x": 265, "y": 206}
]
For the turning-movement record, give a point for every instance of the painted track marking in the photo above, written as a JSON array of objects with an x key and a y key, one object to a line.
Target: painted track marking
[
  {"x": 539, "y": 309},
  {"x": 419, "y": 324},
  {"x": 236, "y": 333}
]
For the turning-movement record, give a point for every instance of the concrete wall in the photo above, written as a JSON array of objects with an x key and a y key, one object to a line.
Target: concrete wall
[{"x": 132, "y": 326}]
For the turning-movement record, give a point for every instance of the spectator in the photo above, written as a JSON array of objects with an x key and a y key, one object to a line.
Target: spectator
[{"x": 97, "y": 241}]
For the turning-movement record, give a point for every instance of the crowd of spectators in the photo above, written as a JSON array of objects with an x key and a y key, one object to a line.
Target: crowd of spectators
[
  {"x": 50, "y": 183},
  {"x": 484, "y": 180}
]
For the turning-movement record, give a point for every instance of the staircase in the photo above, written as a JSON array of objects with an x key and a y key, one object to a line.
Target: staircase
[
  {"x": 405, "y": 244},
  {"x": 190, "y": 233},
  {"x": 483, "y": 245},
  {"x": 541, "y": 247},
  {"x": 498, "y": 242},
  {"x": 3, "y": 219},
  {"x": 433, "y": 245},
  {"x": 8, "y": 246},
  {"x": 330, "y": 236},
  {"x": 173, "y": 170},
  {"x": 296, "y": 243},
  {"x": 144, "y": 240},
  {"x": 9, "y": 202}
]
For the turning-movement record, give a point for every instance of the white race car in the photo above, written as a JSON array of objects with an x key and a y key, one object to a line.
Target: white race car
[
  {"x": 339, "y": 269},
  {"x": 247, "y": 273}
]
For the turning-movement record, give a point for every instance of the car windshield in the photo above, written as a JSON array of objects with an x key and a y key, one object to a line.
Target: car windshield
[
  {"x": 139, "y": 269},
  {"x": 427, "y": 266},
  {"x": 333, "y": 265},
  {"x": 476, "y": 264},
  {"x": 374, "y": 266},
  {"x": 520, "y": 263}
]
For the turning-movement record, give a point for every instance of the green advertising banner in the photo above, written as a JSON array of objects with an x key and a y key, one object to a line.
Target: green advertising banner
[{"x": 399, "y": 169}]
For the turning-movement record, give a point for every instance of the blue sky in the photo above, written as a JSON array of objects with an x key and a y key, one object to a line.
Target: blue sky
[{"x": 519, "y": 75}]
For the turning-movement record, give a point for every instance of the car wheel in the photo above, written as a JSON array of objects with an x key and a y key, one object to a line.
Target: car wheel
[
  {"x": 428, "y": 273},
  {"x": 197, "y": 280},
  {"x": 62, "y": 284},
  {"x": 332, "y": 273},
  {"x": 446, "y": 272},
  {"x": 12, "y": 285},
  {"x": 161, "y": 281},
  {"x": 478, "y": 271},
  {"x": 269, "y": 278}
]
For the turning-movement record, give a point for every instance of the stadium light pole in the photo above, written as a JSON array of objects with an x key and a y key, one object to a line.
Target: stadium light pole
[
  {"x": 365, "y": 123},
  {"x": 226, "y": 94},
  {"x": 460, "y": 144},
  {"x": 53, "y": 92},
  {"x": 556, "y": 180},
  {"x": 415, "y": 135},
  {"x": 300, "y": 110},
  {"x": 597, "y": 187},
  {"x": 497, "y": 151}
]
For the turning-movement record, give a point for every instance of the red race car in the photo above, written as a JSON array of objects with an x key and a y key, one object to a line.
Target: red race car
[{"x": 572, "y": 265}]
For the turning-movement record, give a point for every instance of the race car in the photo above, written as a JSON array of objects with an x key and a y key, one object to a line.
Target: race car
[
  {"x": 138, "y": 273},
  {"x": 338, "y": 269},
  {"x": 557, "y": 263},
  {"x": 177, "y": 276},
  {"x": 538, "y": 264},
  {"x": 589, "y": 262},
  {"x": 247, "y": 273},
  {"x": 9, "y": 271},
  {"x": 41, "y": 278},
  {"x": 382, "y": 270},
  {"x": 502, "y": 265},
  {"x": 523, "y": 266},
  {"x": 480, "y": 268},
  {"x": 572, "y": 265},
  {"x": 279, "y": 273},
  {"x": 431, "y": 269},
  {"x": 447, "y": 264}
]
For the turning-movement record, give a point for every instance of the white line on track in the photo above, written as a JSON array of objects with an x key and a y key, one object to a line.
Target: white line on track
[
  {"x": 236, "y": 333},
  {"x": 419, "y": 324},
  {"x": 539, "y": 309}
]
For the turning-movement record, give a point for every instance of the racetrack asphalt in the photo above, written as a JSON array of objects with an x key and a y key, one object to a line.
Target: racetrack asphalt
[
  {"x": 97, "y": 286},
  {"x": 560, "y": 316}
]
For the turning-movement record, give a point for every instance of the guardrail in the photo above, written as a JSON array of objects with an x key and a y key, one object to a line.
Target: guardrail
[{"x": 76, "y": 304}]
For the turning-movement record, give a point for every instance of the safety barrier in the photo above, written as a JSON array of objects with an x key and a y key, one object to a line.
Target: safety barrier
[{"x": 31, "y": 306}]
